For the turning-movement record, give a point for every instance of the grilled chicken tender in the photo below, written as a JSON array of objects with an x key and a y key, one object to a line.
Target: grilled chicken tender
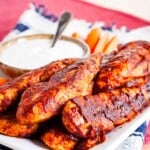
[
  {"x": 9, "y": 126},
  {"x": 72, "y": 81},
  {"x": 88, "y": 116},
  {"x": 11, "y": 90},
  {"x": 58, "y": 138},
  {"x": 132, "y": 60}
]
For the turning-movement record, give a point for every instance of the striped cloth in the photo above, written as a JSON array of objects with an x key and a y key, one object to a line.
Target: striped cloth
[{"x": 36, "y": 20}]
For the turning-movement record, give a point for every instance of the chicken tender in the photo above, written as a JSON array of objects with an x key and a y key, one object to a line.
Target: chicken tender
[
  {"x": 132, "y": 60},
  {"x": 72, "y": 81},
  {"x": 88, "y": 116},
  {"x": 10, "y": 91},
  {"x": 56, "y": 137},
  {"x": 9, "y": 126}
]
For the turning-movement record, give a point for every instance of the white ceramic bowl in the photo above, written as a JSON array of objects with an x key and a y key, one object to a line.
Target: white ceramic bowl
[{"x": 15, "y": 63}]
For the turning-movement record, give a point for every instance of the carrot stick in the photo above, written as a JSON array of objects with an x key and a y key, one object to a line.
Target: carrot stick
[
  {"x": 92, "y": 38},
  {"x": 111, "y": 45},
  {"x": 101, "y": 44}
]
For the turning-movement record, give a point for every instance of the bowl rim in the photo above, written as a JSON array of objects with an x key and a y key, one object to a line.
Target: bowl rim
[{"x": 7, "y": 43}]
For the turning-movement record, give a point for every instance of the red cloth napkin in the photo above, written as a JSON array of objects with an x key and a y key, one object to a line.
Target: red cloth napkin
[{"x": 10, "y": 11}]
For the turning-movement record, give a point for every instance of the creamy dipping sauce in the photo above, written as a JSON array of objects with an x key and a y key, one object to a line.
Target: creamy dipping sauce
[{"x": 31, "y": 54}]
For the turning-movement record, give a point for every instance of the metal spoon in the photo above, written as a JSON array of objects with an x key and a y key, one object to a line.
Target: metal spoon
[{"x": 63, "y": 22}]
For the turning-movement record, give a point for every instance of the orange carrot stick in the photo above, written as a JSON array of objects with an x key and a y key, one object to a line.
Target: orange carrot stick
[{"x": 92, "y": 38}]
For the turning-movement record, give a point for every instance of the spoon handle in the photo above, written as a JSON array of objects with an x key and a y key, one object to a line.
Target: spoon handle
[{"x": 63, "y": 22}]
